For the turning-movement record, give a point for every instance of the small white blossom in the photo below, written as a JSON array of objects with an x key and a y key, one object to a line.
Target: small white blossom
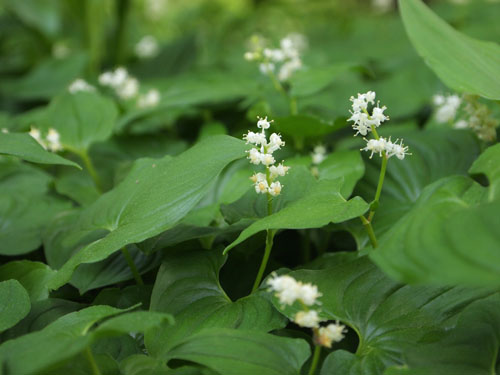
[
  {"x": 5, "y": 130},
  {"x": 378, "y": 116},
  {"x": 80, "y": 85},
  {"x": 263, "y": 123},
  {"x": 267, "y": 159},
  {"x": 147, "y": 47},
  {"x": 275, "y": 188},
  {"x": 129, "y": 89},
  {"x": 461, "y": 124},
  {"x": 266, "y": 68},
  {"x": 318, "y": 154},
  {"x": 333, "y": 332},
  {"x": 375, "y": 146},
  {"x": 149, "y": 100},
  {"x": 286, "y": 287},
  {"x": 278, "y": 170},
  {"x": 261, "y": 187},
  {"x": 309, "y": 294},
  {"x": 309, "y": 319},
  {"x": 288, "y": 68},
  {"x": 35, "y": 133},
  {"x": 258, "y": 177},
  {"x": 255, "y": 138},
  {"x": 125, "y": 86},
  {"x": 255, "y": 156},
  {"x": 53, "y": 140},
  {"x": 275, "y": 143},
  {"x": 446, "y": 107}
]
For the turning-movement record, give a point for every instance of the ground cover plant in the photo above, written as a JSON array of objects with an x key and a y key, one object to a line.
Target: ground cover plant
[{"x": 242, "y": 187}]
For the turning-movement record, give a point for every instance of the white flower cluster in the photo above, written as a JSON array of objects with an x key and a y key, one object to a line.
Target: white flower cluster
[
  {"x": 80, "y": 85},
  {"x": 479, "y": 119},
  {"x": 446, "y": 107},
  {"x": 364, "y": 122},
  {"x": 127, "y": 87},
  {"x": 284, "y": 60},
  {"x": 477, "y": 115},
  {"x": 147, "y": 47},
  {"x": 381, "y": 145},
  {"x": 51, "y": 141},
  {"x": 263, "y": 154},
  {"x": 288, "y": 291},
  {"x": 318, "y": 154},
  {"x": 149, "y": 99}
]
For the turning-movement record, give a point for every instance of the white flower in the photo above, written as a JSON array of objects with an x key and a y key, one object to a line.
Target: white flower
[
  {"x": 258, "y": 177},
  {"x": 263, "y": 123},
  {"x": 446, "y": 107},
  {"x": 278, "y": 170},
  {"x": 398, "y": 150},
  {"x": 333, "y": 332},
  {"x": 35, "y": 133},
  {"x": 275, "y": 143},
  {"x": 80, "y": 85},
  {"x": 286, "y": 287},
  {"x": 255, "y": 156},
  {"x": 150, "y": 99},
  {"x": 461, "y": 124},
  {"x": 318, "y": 154},
  {"x": 438, "y": 100},
  {"x": 309, "y": 294},
  {"x": 378, "y": 116},
  {"x": 266, "y": 68},
  {"x": 255, "y": 138},
  {"x": 320, "y": 149},
  {"x": 267, "y": 159},
  {"x": 129, "y": 89},
  {"x": 309, "y": 319},
  {"x": 251, "y": 56},
  {"x": 288, "y": 68},
  {"x": 375, "y": 146},
  {"x": 53, "y": 139},
  {"x": 261, "y": 187},
  {"x": 275, "y": 188},
  {"x": 5, "y": 130},
  {"x": 147, "y": 47}
]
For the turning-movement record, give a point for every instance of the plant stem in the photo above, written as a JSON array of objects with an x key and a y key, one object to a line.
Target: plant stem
[
  {"x": 315, "y": 359},
  {"x": 92, "y": 171},
  {"x": 381, "y": 177},
  {"x": 269, "y": 244},
  {"x": 92, "y": 362},
  {"x": 131, "y": 264},
  {"x": 279, "y": 87},
  {"x": 293, "y": 106},
  {"x": 369, "y": 229}
]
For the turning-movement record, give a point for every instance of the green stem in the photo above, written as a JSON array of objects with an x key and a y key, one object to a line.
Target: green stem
[
  {"x": 381, "y": 177},
  {"x": 92, "y": 171},
  {"x": 315, "y": 359},
  {"x": 133, "y": 268},
  {"x": 369, "y": 229},
  {"x": 269, "y": 242},
  {"x": 293, "y": 106},
  {"x": 279, "y": 87},
  {"x": 92, "y": 362}
]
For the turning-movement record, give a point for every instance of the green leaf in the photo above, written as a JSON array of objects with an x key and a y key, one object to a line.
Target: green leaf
[
  {"x": 70, "y": 335},
  {"x": 47, "y": 79},
  {"x": 310, "y": 81},
  {"x": 81, "y": 119},
  {"x": 321, "y": 205},
  {"x": 239, "y": 352},
  {"x": 469, "y": 348},
  {"x": 152, "y": 198},
  {"x": 488, "y": 163},
  {"x": 26, "y": 148},
  {"x": 392, "y": 318},
  {"x": 433, "y": 243},
  {"x": 25, "y": 207},
  {"x": 15, "y": 303},
  {"x": 303, "y": 126},
  {"x": 462, "y": 63},
  {"x": 187, "y": 286},
  {"x": 33, "y": 276}
]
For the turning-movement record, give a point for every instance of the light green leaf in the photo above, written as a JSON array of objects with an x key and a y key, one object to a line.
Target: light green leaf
[
  {"x": 81, "y": 119},
  {"x": 33, "y": 276},
  {"x": 154, "y": 197},
  {"x": 387, "y": 317},
  {"x": 239, "y": 352},
  {"x": 15, "y": 303},
  {"x": 321, "y": 205},
  {"x": 26, "y": 148},
  {"x": 187, "y": 286},
  {"x": 462, "y": 63}
]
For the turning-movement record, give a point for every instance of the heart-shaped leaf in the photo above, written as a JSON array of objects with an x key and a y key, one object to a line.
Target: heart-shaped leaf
[
  {"x": 153, "y": 197},
  {"x": 15, "y": 303}
]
